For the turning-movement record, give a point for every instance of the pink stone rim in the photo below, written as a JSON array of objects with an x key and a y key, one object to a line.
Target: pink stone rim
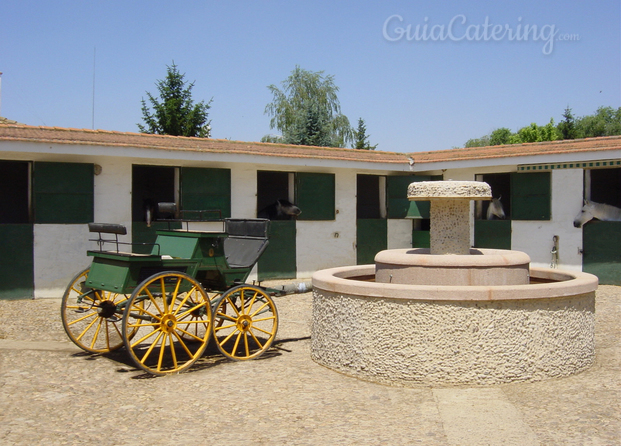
[
  {"x": 476, "y": 258},
  {"x": 354, "y": 280}
]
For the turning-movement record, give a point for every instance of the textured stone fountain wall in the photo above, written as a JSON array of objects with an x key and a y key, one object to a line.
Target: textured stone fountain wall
[
  {"x": 410, "y": 342},
  {"x": 462, "y": 339}
]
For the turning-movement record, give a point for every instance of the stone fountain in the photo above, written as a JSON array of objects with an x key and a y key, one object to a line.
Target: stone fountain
[{"x": 452, "y": 314}]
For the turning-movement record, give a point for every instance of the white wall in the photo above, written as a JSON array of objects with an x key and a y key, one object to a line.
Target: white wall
[
  {"x": 536, "y": 237},
  {"x": 243, "y": 190},
  {"x": 59, "y": 254},
  {"x": 326, "y": 244},
  {"x": 113, "y": 192},
  {"x": 399, "y": 233}
]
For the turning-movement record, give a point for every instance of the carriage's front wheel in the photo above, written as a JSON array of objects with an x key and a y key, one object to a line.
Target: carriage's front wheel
[
  {"x": 245, "y": 322},
  {"x": 91, "y": 317},
  {"x": 171, "y": 314}
]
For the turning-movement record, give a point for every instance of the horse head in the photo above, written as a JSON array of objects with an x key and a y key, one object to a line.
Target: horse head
[
  {"x": 585, "y": 214},
  {"x": 285, "y": 207},
  {"x": 600, "y": 211},
  {"x": 280, "y": 210},
  {"x": 495, "y": 209}
]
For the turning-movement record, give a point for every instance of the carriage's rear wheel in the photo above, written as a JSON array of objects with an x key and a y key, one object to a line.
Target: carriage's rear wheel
[
  {"x": 245, "y": 322},
  {"x": 91, "y": 317},
  {"x": 172, "y": 315}
]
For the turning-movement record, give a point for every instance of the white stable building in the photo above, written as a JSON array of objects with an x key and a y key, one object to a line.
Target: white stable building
[{"x": 53, "y": 181}]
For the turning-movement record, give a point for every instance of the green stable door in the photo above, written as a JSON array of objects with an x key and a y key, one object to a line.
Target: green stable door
[
  {"x": 371, "y": 238},
  {"x": 16, "y": 261},
  {"x": 279, "y": 259},
  {"x": 601, "y": 241}
]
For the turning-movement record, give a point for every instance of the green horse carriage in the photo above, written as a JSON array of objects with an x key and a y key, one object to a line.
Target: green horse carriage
[{"x": 165, "y": 306}]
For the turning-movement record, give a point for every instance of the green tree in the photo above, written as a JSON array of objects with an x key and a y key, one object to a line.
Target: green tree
[
  {"x": 478, "y": 142},
  {"x": 567, "y": 127},
  {"x": 605, "y": 122},
  {"x": 500, "y": 136},
  {"x": 176, "y": 114},
  {"x": 308, "y": 99},
  {"x": 273, "y": 139},
  {"x": 310, "y": 127},
  {"x": 536, "y": 133},
  {"x": 361, "y": 140}
]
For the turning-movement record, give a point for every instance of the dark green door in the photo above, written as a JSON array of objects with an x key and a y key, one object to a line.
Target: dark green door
[
  {"x": 601, "y": 242},
  {"x": 279, "y": 259},
  {"x": 16, "y": 235},
  {"x": 371, "y": 238},
  {"x": 16, "y": 261},
  {"x": 492, "y": 234}
]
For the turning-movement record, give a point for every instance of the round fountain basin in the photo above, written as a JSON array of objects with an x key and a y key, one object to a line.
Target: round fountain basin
[
  {"x": 404, "y": 334},
  {"x": 481, "y": 267}
]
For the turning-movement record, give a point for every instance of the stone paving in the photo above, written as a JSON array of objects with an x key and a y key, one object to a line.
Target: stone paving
[{"x": 51, "y": 393}]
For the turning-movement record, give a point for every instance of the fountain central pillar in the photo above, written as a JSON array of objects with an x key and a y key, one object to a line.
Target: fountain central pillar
[
  {"x": 450, "y": 212},
  {"x": 450, "y": 229}
]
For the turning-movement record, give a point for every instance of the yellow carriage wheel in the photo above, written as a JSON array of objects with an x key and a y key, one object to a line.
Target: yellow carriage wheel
[
  {"x": 171, "y": 314},
  {"x": 91, "y": 317},
  {"x": 245, "y": 322}
]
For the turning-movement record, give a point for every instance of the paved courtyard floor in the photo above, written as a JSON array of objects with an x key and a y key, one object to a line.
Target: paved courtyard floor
[{"x": 54, "y": 394}]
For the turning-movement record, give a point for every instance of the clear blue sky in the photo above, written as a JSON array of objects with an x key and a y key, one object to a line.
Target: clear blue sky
[{"x": 414, "y": 94}]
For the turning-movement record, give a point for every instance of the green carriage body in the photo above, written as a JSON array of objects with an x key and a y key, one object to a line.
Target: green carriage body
[{"x": 218, "y": 260}]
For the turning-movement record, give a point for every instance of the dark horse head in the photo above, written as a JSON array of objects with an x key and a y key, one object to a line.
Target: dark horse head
[{"x": 280, "y": 210}]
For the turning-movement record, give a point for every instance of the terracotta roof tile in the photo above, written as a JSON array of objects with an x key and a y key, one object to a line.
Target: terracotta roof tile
[
  {"x": 18, "y": 132},
  {"x": 513, "y": 150},
  {"x": 207, "y": 145},
  {"x": 4, "y": 120}
]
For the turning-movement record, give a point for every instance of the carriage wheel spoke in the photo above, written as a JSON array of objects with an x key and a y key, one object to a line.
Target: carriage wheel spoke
[
  {"x": 187, "y": 312},
  {"x": 93, "y": 314},
  {"x": 88, "y": 327},
  {"x": 260, "y": 308},
  {"x": 97, "y": 332},
  {"x": 182, "y": 343},
  {"x": 153, "y": 345},
  {"x": 255, "y": 340},
  {"x": 145, "y": 337},
  {"x": 224, "y": 327}
]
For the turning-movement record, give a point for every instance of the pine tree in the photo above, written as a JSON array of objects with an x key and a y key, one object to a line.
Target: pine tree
[
  {"x": 361, "y": 140},
  {"x": 176, "y": 114},
  {"x": 310, "y": 127},
  {"x": 567, "y": 126}
]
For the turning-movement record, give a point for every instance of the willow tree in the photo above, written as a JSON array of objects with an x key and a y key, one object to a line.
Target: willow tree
[
  {"x": 176, "y": 114},
  {"x": 308, "y": 102}
]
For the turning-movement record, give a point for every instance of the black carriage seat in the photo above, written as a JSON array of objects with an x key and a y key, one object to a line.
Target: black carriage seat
[
  {"x": 116, "y": 229},
  {"x": 246, "y": 241}
]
